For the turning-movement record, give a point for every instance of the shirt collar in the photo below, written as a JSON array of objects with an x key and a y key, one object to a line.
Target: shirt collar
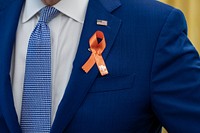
[{"x": 75, "y": 9}]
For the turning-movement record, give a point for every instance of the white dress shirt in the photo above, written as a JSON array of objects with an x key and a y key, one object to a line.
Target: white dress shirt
[{"x": 65, "y": 30}]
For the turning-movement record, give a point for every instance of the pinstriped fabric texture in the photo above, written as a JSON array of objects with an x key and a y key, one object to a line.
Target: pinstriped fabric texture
[{"x": 36, "y": 101}]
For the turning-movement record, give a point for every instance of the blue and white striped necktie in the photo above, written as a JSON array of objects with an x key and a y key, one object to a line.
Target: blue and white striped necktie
[{"x": 36, "y": 100}]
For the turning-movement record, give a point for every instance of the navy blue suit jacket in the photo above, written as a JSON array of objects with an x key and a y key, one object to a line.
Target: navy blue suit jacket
[{"x": 153, "y": 80}]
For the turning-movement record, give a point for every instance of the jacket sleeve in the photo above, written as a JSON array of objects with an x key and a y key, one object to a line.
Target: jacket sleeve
[{"x": 175, "y": 78}]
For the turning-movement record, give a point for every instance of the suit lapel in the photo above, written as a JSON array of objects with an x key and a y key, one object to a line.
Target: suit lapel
[
  {"x": 80, "y": 82},
  {"x": 9, "y": 12}
]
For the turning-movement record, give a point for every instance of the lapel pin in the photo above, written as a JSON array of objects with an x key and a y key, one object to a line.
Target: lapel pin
[
  {"x": 96, "y": 49},
  {"x": 102, "y": 22},
  {"x": 89, "y": 49}
]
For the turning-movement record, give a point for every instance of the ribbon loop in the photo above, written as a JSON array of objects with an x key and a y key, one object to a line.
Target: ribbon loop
[{"x": 97, "y": 49}]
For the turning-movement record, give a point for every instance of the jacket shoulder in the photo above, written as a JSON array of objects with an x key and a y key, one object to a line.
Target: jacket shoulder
[{"x": 149, "y": 7}]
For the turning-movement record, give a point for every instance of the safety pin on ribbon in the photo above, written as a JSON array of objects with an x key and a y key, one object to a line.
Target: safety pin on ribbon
[{"x": 96, "y": 56}]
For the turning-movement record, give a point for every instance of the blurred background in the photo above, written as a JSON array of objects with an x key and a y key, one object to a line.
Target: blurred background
[{"x": 191, "y": 9}]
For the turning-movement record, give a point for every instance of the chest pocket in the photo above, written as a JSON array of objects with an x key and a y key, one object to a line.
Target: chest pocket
[{"x": 113, "y": 83}]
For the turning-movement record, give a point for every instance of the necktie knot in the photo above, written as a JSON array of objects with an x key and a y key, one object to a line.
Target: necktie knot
[{"x": 47, "y": 14}]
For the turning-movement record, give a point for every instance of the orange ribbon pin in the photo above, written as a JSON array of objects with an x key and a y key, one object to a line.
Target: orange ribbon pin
[{"x": 96, "y": 56}]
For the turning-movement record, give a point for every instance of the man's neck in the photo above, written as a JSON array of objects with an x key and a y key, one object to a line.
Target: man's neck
[{"x": 50, "y": 2}]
